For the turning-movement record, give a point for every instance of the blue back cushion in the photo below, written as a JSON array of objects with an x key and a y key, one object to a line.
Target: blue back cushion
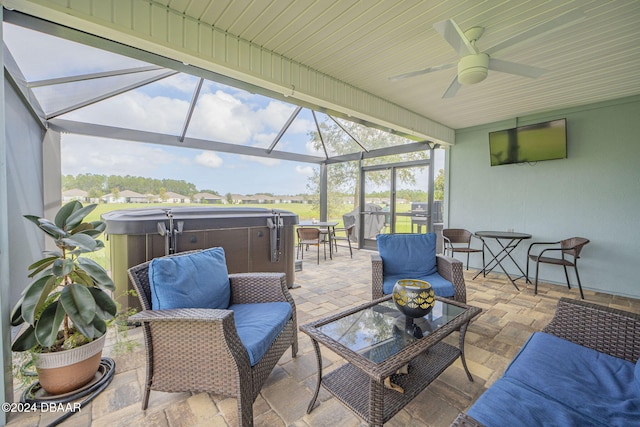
[
  {"x": 196, "y": 280},
  {"x": 408, "y": 255}
]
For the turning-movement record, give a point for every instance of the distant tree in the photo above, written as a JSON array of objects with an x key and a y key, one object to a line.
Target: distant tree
[
  {"x": 229, "y": 197},
  {"x": 438, "y": 186},
  {"x": 162, "y": 193},
  {"x": 344, "y": 177},
  {"x": 115, "y": 191}
]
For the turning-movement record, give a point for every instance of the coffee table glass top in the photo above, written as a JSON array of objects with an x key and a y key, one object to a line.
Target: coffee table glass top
[{"x": 380, "y": 331}]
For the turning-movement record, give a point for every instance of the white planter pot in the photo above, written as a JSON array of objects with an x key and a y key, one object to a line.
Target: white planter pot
[{"x": 65, "y": 371}]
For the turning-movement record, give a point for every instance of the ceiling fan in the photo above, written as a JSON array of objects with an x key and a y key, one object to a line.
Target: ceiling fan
[{"x": 474, "y": 65}]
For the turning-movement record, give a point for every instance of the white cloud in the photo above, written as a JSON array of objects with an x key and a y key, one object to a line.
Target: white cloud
[
  {"x": 268, "y": 161},
  {"x": 101, "y": 156},
  {"x": 136, "y": 110},
  {"x": 209, "y": 159},
  {"x": 305, "y": 170}
]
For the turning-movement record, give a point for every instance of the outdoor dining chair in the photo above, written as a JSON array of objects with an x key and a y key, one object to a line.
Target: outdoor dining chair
[
  {"x": 311, "y": 236},
  {"x": 459, "y": 240},
  {"x": 348, "y": 235},
  {"x": 567, "y": 248}
]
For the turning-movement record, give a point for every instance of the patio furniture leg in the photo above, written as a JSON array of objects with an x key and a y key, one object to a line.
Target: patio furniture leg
[
  {"x": 245, "y": 408},
  {"x": 376, "y": 403},
  {"x": 575, "y": 266},
  {"x": 316, "y": 347},
  {"x": 535, "y": 286},
  {"x": 463, "y": 331},
  {"x": 566, "y": 275}
]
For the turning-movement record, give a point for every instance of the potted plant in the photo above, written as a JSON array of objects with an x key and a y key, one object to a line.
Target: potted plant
[{"x": 67, "y": 306}]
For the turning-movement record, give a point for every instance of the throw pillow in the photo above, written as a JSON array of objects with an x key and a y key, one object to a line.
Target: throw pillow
[{"x": 195, "y": 280}]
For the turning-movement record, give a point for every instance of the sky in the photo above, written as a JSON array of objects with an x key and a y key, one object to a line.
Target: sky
[{"x": 222, "y": 113}]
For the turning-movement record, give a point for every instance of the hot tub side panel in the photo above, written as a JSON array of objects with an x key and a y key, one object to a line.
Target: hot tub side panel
[{"x": 246, "y": 250}]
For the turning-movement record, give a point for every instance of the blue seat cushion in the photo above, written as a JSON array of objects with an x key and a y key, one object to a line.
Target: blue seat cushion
[
  {"x": 441, "y": 286},
  {"x": 410, "y": 255},
  {"x": 601, "y": 386},
  {"x": 509, "y": 403},
  {"x": 258, "y": 325},
  {"x": 195, "y": 280}
]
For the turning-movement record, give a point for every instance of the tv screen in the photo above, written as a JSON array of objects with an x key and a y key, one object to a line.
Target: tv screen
[{"x": 532, "y": 143}]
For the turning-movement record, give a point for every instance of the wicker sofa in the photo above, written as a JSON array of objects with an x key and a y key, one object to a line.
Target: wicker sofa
[{"x": 581, "y": 370}]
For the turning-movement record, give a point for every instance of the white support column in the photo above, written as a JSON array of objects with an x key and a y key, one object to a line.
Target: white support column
[
  {"x": 323, "y": 192},
  {"x": 51, "y": 173},
  {"x": 6, "y": 378}
]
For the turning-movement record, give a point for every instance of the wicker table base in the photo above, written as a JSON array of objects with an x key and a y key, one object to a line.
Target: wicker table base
[{"x": 348, "y": 382}]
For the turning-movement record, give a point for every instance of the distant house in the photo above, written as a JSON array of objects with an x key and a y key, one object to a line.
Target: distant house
[
  {"x": 298, "y": 199},
  {"x": 172, "y": 197},
  {"x": 208, "y": 198},
  {"x": 75, "y": 194},
  {"x": 237, "y": 199},
  {"x": 125, "y": 196},
  {"x": 263, "y": 198}
]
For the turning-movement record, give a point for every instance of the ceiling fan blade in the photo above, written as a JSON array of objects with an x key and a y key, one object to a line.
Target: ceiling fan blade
[
  {"x": 551, "y": 25},
  {"x": 420, "y": 72},
  {"x": 455, "y": 37},
  {"x": 515, "y": 68},
  {"x": 452, "y": 89}
]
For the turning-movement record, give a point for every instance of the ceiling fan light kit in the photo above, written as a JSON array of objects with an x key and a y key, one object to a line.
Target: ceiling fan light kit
[
  {"x": 473, "y": 68},
  {"x": 473, "y": 65}
]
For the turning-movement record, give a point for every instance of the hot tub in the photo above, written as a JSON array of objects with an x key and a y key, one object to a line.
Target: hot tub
[{"x": 254, "y": 239}]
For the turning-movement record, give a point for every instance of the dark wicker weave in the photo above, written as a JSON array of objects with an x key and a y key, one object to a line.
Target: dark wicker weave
[
  {"x": 199, "y": 349},
  {"x": 449, "y": 268},
  {"x": 607, "y": 330},
  {"x": 359, "y": 383}
]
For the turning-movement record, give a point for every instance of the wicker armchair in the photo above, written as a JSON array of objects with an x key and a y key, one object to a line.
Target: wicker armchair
[
  {"x": 449, "y": 268},
  {"x": 607, "y": 330},
  {"x": 199, "y": 350}
]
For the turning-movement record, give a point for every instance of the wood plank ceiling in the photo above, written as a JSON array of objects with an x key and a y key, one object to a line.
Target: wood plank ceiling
[{"x": 364, "y": 42}]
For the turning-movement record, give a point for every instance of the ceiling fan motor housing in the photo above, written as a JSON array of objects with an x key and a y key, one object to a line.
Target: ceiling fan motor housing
[{"x": 473, "y": 68}]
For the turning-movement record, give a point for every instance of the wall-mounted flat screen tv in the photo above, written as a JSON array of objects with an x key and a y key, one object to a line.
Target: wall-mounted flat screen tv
[{"x": 532, "y": 143}]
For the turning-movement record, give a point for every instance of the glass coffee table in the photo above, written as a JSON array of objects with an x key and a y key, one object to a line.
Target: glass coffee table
[{"x": 377, "y": 340}]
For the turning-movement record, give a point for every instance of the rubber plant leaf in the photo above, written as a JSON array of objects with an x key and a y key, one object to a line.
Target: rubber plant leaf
[
  {"x": 97, "y": 273},
  {"x": 16, "y": 314},
  {"x": 100, "y": 327},
  {"x": 51, "y": 229},
  {"x": 65, "y": 212},
  {"x": 62, "y": 267},
  {"x": 79, "y": 304},
  {"x": 81, "y": 243},
  {"x": 77, "y": 216},
  {"x": 26, "y": 341},
  {"x": 35, "y": 297},
  {"x": 106, "y": 307},
  {"x": 49, "y": 324},
  {"x": 40, "y": 265}
]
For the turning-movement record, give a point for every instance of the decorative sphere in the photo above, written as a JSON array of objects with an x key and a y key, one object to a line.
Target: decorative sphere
[{"x": 414, "y": 298}]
